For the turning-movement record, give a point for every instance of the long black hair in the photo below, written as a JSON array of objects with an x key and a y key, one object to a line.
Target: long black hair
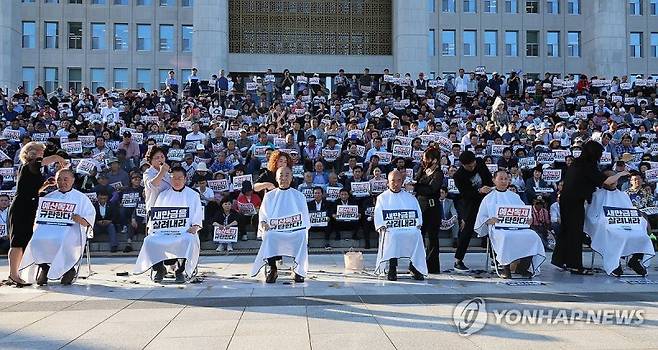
[{"x": 591, "y": 153}]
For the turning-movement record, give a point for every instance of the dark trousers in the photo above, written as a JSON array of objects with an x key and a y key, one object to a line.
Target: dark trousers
[
  {"x": 465, "y": 235},
  {"x": 352, "y": 226}
]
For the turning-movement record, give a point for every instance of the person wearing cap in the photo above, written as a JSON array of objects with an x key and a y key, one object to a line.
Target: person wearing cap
[
  {"x": 117, "y": 175},
  {"x": 130, "y": 146}
]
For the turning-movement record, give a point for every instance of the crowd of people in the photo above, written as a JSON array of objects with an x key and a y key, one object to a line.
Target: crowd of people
[{"x": 231, "y": 134}]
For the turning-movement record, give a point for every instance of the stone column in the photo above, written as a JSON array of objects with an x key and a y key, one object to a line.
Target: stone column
[
  {"x": 10, "y": 42},
  {"x": 605, "y": 42},
  {"x": 410, "y": 37},
  {"x": 210, "y": 38}
]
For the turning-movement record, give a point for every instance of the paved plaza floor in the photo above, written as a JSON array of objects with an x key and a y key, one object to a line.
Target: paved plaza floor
[{"x": 333, "y": 309}]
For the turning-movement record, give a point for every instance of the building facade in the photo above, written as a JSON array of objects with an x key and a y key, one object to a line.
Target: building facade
[{"x": 134, "y": 43}]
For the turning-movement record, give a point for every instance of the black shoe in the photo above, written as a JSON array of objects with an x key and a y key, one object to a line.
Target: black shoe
[
  {"x": 392, "y": 274},
  {"x": 460, "y": 267},
  {"x": 272, "y": 275},
  {"x": 42, "y": 277},
  {"x": 637, "y": 267},
  {"x": 128, "y": 248},
  {"x": 114, "y": 249},
  {"x": 505, "y": 272},
  {"x": 299, "y": 279},
  {"x": 180, "y": 277},
  {"x": 160, "y": 272},
  {"x": 415, "y": 273},
  {"x": 618, "y": 271},
  {"x": 68, "y": 277}
]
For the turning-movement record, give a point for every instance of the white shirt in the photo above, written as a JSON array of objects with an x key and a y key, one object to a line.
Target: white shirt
[{"x": 461, "y": 84}]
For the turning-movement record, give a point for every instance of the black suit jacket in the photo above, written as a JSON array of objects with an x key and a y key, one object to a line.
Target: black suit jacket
[
  {"x": 325, "y": 206},
  {"x": 111, "y": 212}
]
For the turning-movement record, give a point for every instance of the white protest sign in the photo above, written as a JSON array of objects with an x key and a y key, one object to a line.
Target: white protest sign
[
  {"x": 360, "y": 189},
  {"x": 551, "y": 175},
  {"x": 225, "y": 234},
  {"x": 85, "y": 166},
  {"x": 332, "y": 193},
  {"x": 176, "y": 154},
  {"x": 238, "y": 180},
  {"x": 167, "y": 139},
  {"x": 168, "y": 220},
  {"x": 72, "y": 147},
  {"x": 402, "y": 151},
  {"x": 55, "y": 212},
  {"x": 130, "y": 199},
  {"x": 651, "y": 175},
  {"x": 319, "y": 218},
  {"x": 513, "y": 216},
  {"x": 347, "y": 212},
  {"x": 218, "y": 185},
  {"x": 622, "y": 217}
]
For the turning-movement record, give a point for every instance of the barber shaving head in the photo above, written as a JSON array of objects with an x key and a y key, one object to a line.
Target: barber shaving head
[
  {"x": 284, "y": 177},
  {"x": 395, "y": 179},
  {"x": 501, "y": 180}
]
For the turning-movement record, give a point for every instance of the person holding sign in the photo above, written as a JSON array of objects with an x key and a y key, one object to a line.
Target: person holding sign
[
  {"x": 22, "y": 212},
  {"x": 580, "y": 181},
  {"x": 60, "y": 233},
  {"x": 225, "y": 218},
  {"x": 617, "y": 230},
  {"x": 504, "y": 217},
  {"x": 320, "y": 212},
  {"x": 398, "y": 219},
  {"x": 429, "y": 180},
  {"x": 284, "y": 225},
  {"x": 473, "y": 180},
  {"x": 174, "y": 220}
]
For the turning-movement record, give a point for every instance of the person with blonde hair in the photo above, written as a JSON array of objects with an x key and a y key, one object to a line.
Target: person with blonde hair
[{"x": 22, "y": 212}]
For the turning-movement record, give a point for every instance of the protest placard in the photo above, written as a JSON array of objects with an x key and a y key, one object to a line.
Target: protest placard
[
  {"x": 220, "y": 185},
  {"x": 168, "y": 220},
  {"x": 551, "y": 175},
  {"x": 72, "y": 147},
  {"x": 238, "y": 180},
  {"x": 347, "y": 212},
  {"x": 225, "y": 234},
  {"x": 513, "y": 216},
  {"x": 55, "y": 212},
  {"x": 319, "y": 218},
  {"x": 360, "y": 189}
]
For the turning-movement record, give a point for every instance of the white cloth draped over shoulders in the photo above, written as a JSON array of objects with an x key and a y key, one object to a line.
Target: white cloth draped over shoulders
[
  {"x": 610, "y": 241},
  {"x": 160, "y": 247},
  {"x": 508, "y": 244},
  {"x": 400, "y": 213},
  {"x": 60, "y": 246},
  {"x": 286, "y": 212}
]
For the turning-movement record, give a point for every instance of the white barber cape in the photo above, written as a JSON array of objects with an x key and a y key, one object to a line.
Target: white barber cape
[
  {"x": 401, "y": 215},
  {"x": 612, "y": 242},
  {"x": 60, "y": 246},
  {"x": 286, "y": 212},
  {"x": 508, "y": 244},
  {"x": 159, "y": 247}
]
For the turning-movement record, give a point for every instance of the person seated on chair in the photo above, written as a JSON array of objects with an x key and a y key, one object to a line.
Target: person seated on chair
[
  {"x": 338, "y": 224},
  {"x": 614, "y": 241},
  {"x": 173, "y": 223},
  {"x": 283, "y": 225},
  {"x": 56, "y": 247},
  {"x": 508, "y": 245},
  {"x": 106, "y": 214},
  {"x": 320, "y": 204},
  {"x": 398, "y": 219}
]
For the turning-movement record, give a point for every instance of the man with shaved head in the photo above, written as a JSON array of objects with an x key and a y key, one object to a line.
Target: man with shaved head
[
  {"x": 284, "y": 226},
  {"x": 60, "y": 232},
  {"x": 398, "y": 219}
]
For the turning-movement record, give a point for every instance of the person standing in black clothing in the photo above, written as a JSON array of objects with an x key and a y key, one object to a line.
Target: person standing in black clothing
[
  {"x": 580, "y": 181},
  {"x": 23, "y": 209},
  {"x": 429, "y": 180},
  {"x": 473, "y": 180}
]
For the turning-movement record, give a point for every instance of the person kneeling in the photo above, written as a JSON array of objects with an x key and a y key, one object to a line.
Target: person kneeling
[
  {"x": 398, "y": 219},
  {"x": 614, "y": 241},
  {"x": 58, "y": 245},
  {"x": 284, "y": 226},
  {"x": 509, "y": 244},
  {"x": 173, "y": 224}
]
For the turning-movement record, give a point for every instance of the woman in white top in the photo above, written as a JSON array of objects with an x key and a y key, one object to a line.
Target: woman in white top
[{"x": 156, "y": 178}]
